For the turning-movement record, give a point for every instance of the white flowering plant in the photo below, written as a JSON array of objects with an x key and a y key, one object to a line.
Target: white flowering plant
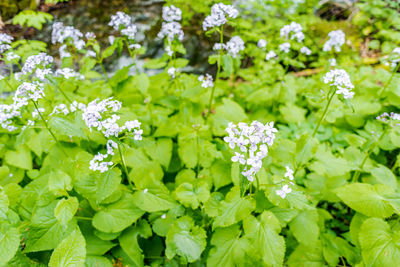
[{"x": 280, "y": 149}]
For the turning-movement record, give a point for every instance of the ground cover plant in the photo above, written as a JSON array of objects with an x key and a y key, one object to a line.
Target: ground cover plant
[{"x": 284, "y": 151}]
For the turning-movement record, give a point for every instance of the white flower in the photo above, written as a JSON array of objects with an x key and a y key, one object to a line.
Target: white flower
[
  {"x": 233, "y": 46},
  {"x": 129, "y": 31},
  {"x": 120, "y": 19},
  {"x": 110, "y": 147},
  {"x": 90, "y": 35},
  {"x": 11, "y": 56},
  {"x": 218, "y": 15},
  {"x": 61, "y": 34},
  {"x": 171, "y": 30},
  {"x": 207, "y": 81},
  {"x": 332, "y": 62},
  {"x": 171, "y": 13},
  {"x": 97, "y": 163},
  {"x": 393, "y": 118},
  {"x": 169, "y": 51},
  {"x": 336, "y": 40},
  {"x": 295, "y": 28},
  {"x": 289, "y": 173},
  {"x": 91, "y": 53},
  {"x": 29, "y": 91},
  {"x": 111, "y": 39},
  {"x": 32, "y": 62},
  {"x": 171, "y": 72},
  {"x": 253, "y": 141},
  {"x": 5, "y": 38},
  {"x": 285, "y": 47},
  {"x": 284, "y": 191},
  {"x": 262, "y": 43},
  {"x": 61, "y": 108},
  {"x": 341, "y": 80},
  {"x": 305, "y": 50},
  {"x": 68, "y": 73},
  {"x": 270, "y": 54}
]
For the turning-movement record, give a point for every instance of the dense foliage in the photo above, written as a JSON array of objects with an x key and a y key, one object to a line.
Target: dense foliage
[{"x": 285, "y": 154}]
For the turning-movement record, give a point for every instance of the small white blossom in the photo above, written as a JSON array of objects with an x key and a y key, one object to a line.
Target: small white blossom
[
  {"x": 61, "y": 34},
  {"x": 289, "y": 173},
  {"x": 35, "y": 61},
  {"x": 68, "y": 73},
  {"x": 90, "y": 35},
  {"x": 305, "y": 50},
  {"x": 341, "y": 80},
  {"x": 207, "y": 81},
  {"x": 5, "y": 38},
  {"x": 285, "y": 47},
  {"x": 253, "y": 141},
  {"x": 171, "y": 72},
  {"x": 171, "y": 13},
  {"x": 120, "y": 19},
  {"x": 219, "y": 14},
  {"x": 336, "y": 40},
  {"x": 233, "y": 46},
  {"x": 270, "y": 54},
  {"x": 294, "y": 28},
  {"x": 332, "y": 62},
  {"x": 262, "y": 43},
  {"x": 129, "y": 31},
  {"x": 111, "y": 39},
  {"x": 171, "y": 30},
  {"x": 12, "y": 56},
  {"x": 393, "y": 118},
  {"x": 284, "y": 191}
]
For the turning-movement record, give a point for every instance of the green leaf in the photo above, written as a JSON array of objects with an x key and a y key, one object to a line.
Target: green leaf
[
  {"x": 9, "y": 243},
  {"x": 70, "y": 252},
  {"x": 117, "y": 216},
  {"x": 191, "y": 195},
  {"x": 129, "y": 241},
  {"x": 63, "y": 126},
  {"x": 153, "y": 196},
  {"x": 185, "y": 239},
  {"x": 367, "y": 199},
  {"x": 379, "y": 244},
  {"x": 263, "y": 234},
  {"x": 3, "y": 204},
  {"x": 21, "y": 158},
  {"x": 305, "y": 228},
  {"x": 31, "y": 18},
  {"x": 66, "y": 209},
  {"x": 161, "y": 151},
  {"x": 97, "y": 261},
  {"x": 229, "y": 111},
  {"x": 188, "y": 149},
  {"x": 233, "y": 209},
  {"x": 304, "y": 256},
  {"x": 228, "y": 249},
  {"x": 59, "y": 183}
]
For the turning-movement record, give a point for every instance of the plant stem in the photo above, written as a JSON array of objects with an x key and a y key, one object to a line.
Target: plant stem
[
  {"x": 124, "y": 166},
  {"x": 358, "y": 172},
  {"x": 104, "y": 70},
  {"x": 324, "y": 112},
  {"x": 218, "y": 69},
  {"x": 83, "y": 218},
  {"x": 390, "y": 79}
]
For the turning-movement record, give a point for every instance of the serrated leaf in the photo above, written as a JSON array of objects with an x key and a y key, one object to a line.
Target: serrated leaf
[
  {"x": 9, "y": 243},
  {"x": 66, "y": 209},
  {"x": 70, "y": 252},
  {"x": 191, "y": 195}
]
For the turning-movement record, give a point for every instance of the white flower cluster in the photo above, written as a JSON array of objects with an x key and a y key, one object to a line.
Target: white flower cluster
[
  {"x": 33, "y": 63},
  {"x": 11, "y": 56},
  {"x": 341, "y": 80},
  {"x": 207, "y": 81},
  {"x": 233, "y": 46},
  {"x": 336, "y": 40},
  {"x": 305, "y": 50},
  {"x": 270, "y": 55},
  {"x": 253, "y": 141},
  {"x": 61, "y": 34},
  {"x": 286, "y": 189},
  {"x": 7, "y": 113},
  {"x": 285, "y": 47},
  {"x": 171, "y": 28},
  {"x": 394, "y": 58},
  {"x": 5, "y": 41},
  {"x": 171, "y": 13},
  {"x": 61, "y": 108},
  {"x": 97, "y": 163},
  {"x": 92, "y": 115},
  {"x": 68, "y": 73},
  {"x": 393, "y": 118},
  {"x": 172, "y": 72},
  {"x": 28, "y": 91},
  {"x": 219, "y": 14},
  {"x": 294, "y": 28},
  {"x": 123, "y": 22},
  {"x": 262, "y": 43}
]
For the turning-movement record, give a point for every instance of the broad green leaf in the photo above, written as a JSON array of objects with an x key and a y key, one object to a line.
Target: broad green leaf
[
  {"x": 161, "y": 151},
  {"x": 185, "y": 239},
  {"x": 228, "y": 111},
  {"x": 9, "y": 243},
  {"x": 305, "y": 227},
  {"x": 191, "y": 195},
  {"x": 4, "y": 202},
  {"x": 129, "y": 241},
  {"x": 188, "y": 149},
  {"x": 379, "y": 244},
  {"x": 233, "y": 209},
  {"x": 153, "y": 196},
  {"x": 228, "y": 249},
  {"x": 263, "y": 234},
  {"x": 97, "y": 261},
  {"x": 304, "y": 256},
  {"x": 367, "y": 199},
  {"x": 64, "y": 126},
  {"x": 21, "y": 158},
  {"x": 70, "y": 252},
  {"x": 117, "y": 216},
  {"x": 31, "y": 18},
  {"x": 59, "y": 183},
  {"x": 66, "y": 209}
]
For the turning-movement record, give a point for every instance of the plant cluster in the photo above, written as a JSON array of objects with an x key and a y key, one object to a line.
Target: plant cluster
[{"x": 285, "y": 154}]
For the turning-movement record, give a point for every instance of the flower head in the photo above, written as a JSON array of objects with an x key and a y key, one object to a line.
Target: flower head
[
  {"x": 171, "y": 13},
  {"x": 336, "y": 40},
  {"x": 341, "y": 80},
  {"x": 294, "y": 28},
  {"x": 207, "y": 81},
  {"x": 219, "y": 14}
]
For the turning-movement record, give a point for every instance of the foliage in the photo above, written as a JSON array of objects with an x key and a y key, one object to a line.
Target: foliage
[{"x": 169, "y": 193}]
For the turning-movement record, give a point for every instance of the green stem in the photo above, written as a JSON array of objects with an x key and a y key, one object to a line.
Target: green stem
[
  {"x": 104, "y": 70},
  {"x": 218, "y": 70},
  {"x": 83, "y": 218},
  {"x": 358, "y": 172},
  {"x": 124, "y": 166},
  {"x": 390, "y": 79},
  {"x": 324, "y": 112}
]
